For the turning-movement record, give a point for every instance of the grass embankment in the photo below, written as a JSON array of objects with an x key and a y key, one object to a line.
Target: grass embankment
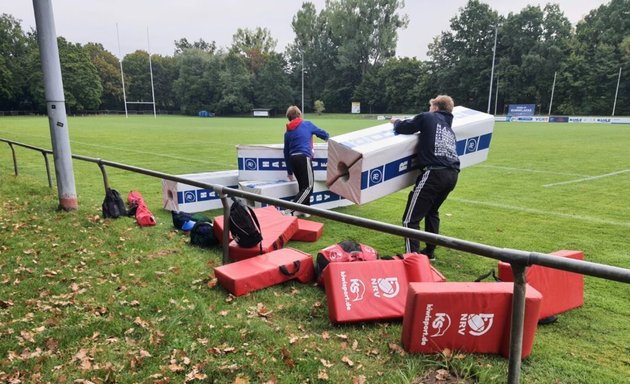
[{"x": 82, "y": 298}]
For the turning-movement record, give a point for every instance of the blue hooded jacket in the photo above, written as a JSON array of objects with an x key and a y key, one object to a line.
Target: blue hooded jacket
[{"x": 298, "y": 139}]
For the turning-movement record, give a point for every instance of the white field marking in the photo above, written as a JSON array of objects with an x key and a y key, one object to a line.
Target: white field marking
[
  {"x": 530, "y": 170},
  {"x": 188, "y": 159},
  {"x": 587, "y": 178},
  {"x": 141, "y": 152},
  {"x": 590, "y": 219}
]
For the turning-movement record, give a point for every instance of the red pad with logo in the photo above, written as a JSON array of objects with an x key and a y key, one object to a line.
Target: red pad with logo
[
  {"x": 467, "y": 317},
  {"x": 308, "y": 230},
  {"x": 561, "y": 290},
  {"x": 276, "y": 230},
  {"x": 265, "y": 270},
  {"x": 372, "y": 290}
]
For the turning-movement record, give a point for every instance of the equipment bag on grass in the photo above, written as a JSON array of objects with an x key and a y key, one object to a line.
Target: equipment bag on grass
[
  {"x": 345, "y": 251},
  {"x": 202, "y": 235},
  {"x": 244, "y": 225},
  {"x": 113, "y": 205}
]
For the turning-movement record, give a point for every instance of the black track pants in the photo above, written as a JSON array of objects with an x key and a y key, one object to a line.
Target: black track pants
[
  {"x": 431, "y": 189},
  {"x": 303, "y": 171}
]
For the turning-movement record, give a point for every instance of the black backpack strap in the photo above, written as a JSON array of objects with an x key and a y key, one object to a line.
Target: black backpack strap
[
  {"x": 486, "y": 275},
  {"x": 251, "y": 212},
  {"x": 296, "y": 268}
]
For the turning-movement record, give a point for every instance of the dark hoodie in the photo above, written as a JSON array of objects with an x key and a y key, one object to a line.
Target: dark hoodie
[{"x": 437, "y": 145}]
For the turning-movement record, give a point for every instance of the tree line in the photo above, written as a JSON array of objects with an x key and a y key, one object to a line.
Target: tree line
[{"x": 346, "y": 53}]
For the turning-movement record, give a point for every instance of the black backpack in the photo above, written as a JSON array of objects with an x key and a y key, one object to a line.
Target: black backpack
[
  {"x": 202, "y": 235},
  {"x": 113, "y": 205},
  {"x": 244, "y": 225}
]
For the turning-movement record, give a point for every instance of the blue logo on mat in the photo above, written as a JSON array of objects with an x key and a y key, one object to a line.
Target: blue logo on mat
[
  {"x": 251, "y": 164},
  {"x": 190, "y": 197}
]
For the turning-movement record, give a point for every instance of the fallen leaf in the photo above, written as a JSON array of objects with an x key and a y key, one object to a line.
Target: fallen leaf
[{"x": 347, "y": 360}]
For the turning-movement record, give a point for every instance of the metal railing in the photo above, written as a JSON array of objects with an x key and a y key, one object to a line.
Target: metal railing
[{"x": 519, "y": 260}]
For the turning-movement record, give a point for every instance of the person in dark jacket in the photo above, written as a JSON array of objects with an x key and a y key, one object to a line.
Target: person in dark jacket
[
  {"x": 298, "y": 154},
  {"x": 439, "y": 165}
]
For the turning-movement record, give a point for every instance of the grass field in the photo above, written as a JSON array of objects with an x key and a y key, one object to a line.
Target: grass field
[{"x": 85, "y": 299}]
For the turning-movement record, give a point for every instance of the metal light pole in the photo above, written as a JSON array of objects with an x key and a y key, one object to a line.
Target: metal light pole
[
  {"x": 553, "y": 87},
  {"x": 494, "y": 52},
  {"x": 496, "y": 96},
  {"x": 302, "y": 82},
  {"x": 616, "y": 92}
]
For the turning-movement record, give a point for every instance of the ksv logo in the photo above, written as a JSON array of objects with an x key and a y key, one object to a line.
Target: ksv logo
[
  {"x": 250, "y": 164},
  {"x": 388, "y": 286},
  {"x": 357, "y": 288},
  {"x": 441, "y": 324},
  {"x": 376, "y": 176},
  {"x": 477, "y": 323},
  {"x": 190, "y": 196}
]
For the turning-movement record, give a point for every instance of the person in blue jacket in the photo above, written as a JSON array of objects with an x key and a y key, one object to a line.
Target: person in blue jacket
[
  {"x": 298, "y": 153},
  {"x": 439, "y": 165}
]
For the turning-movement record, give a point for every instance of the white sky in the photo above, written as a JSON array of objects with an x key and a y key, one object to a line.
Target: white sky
[{"x": 83, "y": 21}]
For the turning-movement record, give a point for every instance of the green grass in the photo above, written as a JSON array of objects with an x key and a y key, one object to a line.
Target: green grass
[{"x": 108, "y": 301}]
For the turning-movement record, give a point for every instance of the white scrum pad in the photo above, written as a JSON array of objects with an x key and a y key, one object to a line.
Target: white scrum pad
[
  {"x": 266, "y": 162},
  {"x": 285, "y": 190},
  {"x": 371, "y": 163},
  {"x": 187, "y": 198}
]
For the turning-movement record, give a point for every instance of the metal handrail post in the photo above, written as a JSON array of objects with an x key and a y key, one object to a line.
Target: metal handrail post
[
  {"x": 15, "y": 167},
  {"x": 104, "y": 173},
  {"x": 47, "y": 169},
  {"x": 518, "y": 319}
]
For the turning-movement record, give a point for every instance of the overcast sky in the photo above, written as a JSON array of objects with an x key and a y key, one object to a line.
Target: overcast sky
[{"x": 83, "y": 21}]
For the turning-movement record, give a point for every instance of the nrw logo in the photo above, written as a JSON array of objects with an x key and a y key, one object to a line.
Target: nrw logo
[
  {"x": 357, "y": 288},
  {"x": 250, "y": 164},
  {"x": 388, "y": 286},
  {"x": 441, "y": 324},
  {"x": 477, "y": 323},
  {"x": 190, "y": 196}
]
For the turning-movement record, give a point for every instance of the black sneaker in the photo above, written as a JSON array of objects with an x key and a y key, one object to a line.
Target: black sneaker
[{"x": 429, "y": 254}]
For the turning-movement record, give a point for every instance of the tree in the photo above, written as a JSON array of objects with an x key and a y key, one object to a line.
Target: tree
[
  {"x": 182, "y": 44},
  {"x": 271, "y": 86},
  {"x": 349, "y": 36},
  {"x": 13, "y": 54},
  {"x": 108, "y": 68},
  {"x": 235, "y": 83},
  {"x": 461, "y": 59},
  {"x": 598, "y": 53},
  {"x": 137, "y": 77},
  {"x": 319, "y": 107},
  {"x": 197, "y": 85}
]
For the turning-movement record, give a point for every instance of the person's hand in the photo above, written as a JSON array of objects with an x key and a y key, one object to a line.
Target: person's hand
[
  {"x": 393, "y": 120},
  {"x": 290, "y": 177}
]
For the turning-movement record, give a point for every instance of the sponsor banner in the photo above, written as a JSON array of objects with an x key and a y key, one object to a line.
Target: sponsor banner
[
  {"x": 530, "y": 119},
  {"x": 521, "y": 109},
  {"x": 599, "y": 120},
  {"x": 558, "y": 119}
]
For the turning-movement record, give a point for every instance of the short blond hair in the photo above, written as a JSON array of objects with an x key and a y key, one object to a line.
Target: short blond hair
[
  {"x": 443, "y": 103},
  {"x": 293, "y": 112}
]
